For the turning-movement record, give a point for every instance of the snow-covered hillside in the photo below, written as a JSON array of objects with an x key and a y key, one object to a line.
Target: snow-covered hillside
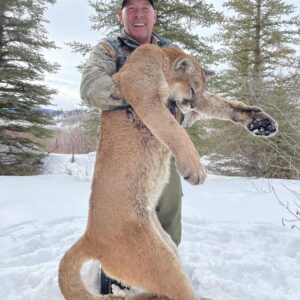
[{"x": 234, "y": 246}]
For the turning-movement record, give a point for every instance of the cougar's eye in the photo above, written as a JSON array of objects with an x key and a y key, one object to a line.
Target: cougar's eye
[{"x": 193, "y": 92}]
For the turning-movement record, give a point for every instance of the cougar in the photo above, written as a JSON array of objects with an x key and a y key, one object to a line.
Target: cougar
[{"x": 132, "y": 167}]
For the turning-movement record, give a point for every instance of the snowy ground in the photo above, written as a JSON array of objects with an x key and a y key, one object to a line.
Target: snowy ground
[{"x": 234, "y": 246}]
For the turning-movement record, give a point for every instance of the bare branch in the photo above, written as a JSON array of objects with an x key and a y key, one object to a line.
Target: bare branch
[{"x": 296, "y": 214}]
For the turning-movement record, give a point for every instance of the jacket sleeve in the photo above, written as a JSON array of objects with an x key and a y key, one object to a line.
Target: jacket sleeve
[{"x": 97, "y": 88}]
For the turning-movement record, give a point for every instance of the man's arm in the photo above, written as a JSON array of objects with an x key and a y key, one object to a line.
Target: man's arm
[{"x": 97, "y": 88}]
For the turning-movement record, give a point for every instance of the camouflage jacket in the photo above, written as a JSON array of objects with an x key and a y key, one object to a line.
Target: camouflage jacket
[{"x": 106, "y": 58}]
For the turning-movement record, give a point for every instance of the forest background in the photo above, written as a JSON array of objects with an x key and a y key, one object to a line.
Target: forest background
[{"x": 252, "y": 45}]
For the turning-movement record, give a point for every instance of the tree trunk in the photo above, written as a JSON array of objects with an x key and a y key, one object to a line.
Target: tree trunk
[
  {"x": 257, "y": 54},
  {"x": 3, "y": 5}
]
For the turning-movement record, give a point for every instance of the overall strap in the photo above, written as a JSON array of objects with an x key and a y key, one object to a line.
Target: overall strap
[{"x": 122, "y": 50}]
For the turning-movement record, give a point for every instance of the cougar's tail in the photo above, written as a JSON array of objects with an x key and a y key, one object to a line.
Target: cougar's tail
[{"x": 70, "y": 282}]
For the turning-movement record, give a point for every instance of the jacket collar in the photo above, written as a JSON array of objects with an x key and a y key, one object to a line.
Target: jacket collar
[{"x": 131, "y": 43}]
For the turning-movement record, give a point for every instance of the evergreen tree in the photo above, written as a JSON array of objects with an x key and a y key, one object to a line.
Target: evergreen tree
[
  {"x": 262, "y": 69},
  {"x": 22, "y": 95}
]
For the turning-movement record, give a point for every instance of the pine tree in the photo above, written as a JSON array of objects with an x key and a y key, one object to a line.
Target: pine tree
[
  {"x": 22, "y": 94},
  {"x": 262, "y": 69}
]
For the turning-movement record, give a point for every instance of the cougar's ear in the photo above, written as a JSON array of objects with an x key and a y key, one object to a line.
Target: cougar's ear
[
  {"x": 185, "y": 65},
  {"x": 208, "y": 73}
]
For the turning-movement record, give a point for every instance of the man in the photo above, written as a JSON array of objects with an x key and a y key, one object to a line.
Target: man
[{"x": 98, "y": 90}]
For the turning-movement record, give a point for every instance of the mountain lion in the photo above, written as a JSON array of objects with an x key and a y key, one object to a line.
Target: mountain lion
[{"x": 132, "y": 167}]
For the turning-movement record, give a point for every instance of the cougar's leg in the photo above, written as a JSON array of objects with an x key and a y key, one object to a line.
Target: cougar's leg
[{"x": 147, "y": 261}]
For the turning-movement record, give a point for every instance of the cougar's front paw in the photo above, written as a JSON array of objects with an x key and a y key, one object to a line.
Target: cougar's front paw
[
  {"x": 262, "y": 124},
  {"x": 192, "y": 171}
]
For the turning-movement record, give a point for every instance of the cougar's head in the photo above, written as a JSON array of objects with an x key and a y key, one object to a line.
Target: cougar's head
[{"x": 188, "y": 81}]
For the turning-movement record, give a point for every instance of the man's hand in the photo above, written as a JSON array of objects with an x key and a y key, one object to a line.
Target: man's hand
[{"x": 116, "y": 93}]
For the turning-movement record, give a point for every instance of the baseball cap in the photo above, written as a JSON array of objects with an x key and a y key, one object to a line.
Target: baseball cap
[{"x": 125, "y": 1}]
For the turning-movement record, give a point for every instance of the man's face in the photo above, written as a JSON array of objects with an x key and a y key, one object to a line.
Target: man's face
[{"x": 138, "y": 18}]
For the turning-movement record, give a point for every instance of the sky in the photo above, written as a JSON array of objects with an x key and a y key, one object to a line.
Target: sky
[{"x": 69, "y": 21}]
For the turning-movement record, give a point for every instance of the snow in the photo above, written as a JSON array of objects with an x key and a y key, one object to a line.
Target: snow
[{"x": 234, "y": 246}]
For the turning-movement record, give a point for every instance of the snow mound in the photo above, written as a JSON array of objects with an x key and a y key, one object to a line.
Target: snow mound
[
  {"x": 233, "y": 244},
  {"x": 236, "y": 261},
  {"x": 223, "y": 260}
]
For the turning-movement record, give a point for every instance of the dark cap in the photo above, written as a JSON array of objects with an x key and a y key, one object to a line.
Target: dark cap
[{"x": 124, "y": 3}]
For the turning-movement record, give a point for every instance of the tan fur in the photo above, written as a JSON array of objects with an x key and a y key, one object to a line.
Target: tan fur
[
  {"x": 215, "y": 106},
  {"x": 132, "y": 166}
]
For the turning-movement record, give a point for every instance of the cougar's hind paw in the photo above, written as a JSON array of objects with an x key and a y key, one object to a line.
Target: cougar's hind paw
[{"x": 264, "y": 127}]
